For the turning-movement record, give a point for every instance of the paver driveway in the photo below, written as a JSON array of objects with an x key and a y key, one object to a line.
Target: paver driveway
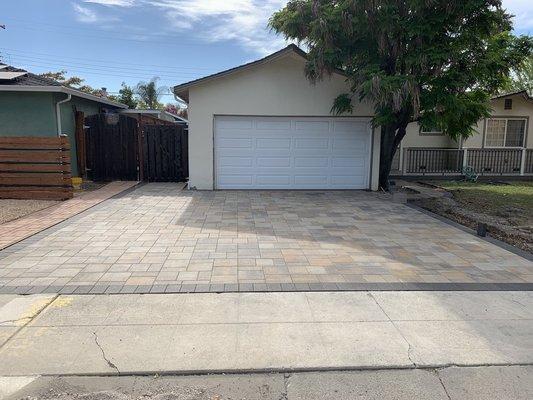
[{"x": 160, "y": 238}]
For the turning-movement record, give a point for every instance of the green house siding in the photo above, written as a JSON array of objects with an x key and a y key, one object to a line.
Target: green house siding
[
  {"x": 68, "y": 121},
  {"x": 34, "y": 114},
  {"x": 27, "y": 114}
]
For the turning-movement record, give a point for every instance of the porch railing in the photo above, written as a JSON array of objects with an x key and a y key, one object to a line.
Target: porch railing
[
  {"x": 433, "y": 161},
  {"x": 436, "y": 161}
]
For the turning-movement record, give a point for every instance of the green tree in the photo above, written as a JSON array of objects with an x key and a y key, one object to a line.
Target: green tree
[
  {"x": 60, "y": 76},
  {"x": 149, "y": 94},
  {"x": 435, "y": 62},
  {"x": 126, "y": 95},
  {"x": 522, "y": 77}
]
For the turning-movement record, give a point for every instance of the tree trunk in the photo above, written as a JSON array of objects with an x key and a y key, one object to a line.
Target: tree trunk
[
  {"x": 386, "y": 154},
  {"x": 390, "y": 140}
]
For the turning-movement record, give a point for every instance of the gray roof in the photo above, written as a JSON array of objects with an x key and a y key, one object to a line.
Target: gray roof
[
  {"x": 28, "y": 80},
  {"x": 33, "y": 82}
]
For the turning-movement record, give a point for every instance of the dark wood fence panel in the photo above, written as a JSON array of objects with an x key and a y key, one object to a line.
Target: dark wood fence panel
[
  {"x": 35, "y": 168},
  {"x": 164, "y": 153},
  {"x": 111, "y": 147}
]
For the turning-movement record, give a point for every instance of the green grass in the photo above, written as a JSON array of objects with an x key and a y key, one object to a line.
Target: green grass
[{"x": 495, "y": 198}]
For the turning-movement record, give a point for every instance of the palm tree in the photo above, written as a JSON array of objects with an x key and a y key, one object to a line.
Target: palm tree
[{"x": 149, "y": 94}]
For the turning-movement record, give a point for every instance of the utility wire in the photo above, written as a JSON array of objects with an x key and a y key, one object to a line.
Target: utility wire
[{"x": 55, "y": 57}]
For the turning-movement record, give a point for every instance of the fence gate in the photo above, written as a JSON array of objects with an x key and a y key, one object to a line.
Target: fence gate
[
  {"x": 111, "y": 147},
  {"x": 164, "y": 153}
]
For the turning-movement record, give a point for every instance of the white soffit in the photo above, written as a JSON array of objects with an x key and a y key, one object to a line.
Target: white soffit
[{"x": 8, "y": 76}]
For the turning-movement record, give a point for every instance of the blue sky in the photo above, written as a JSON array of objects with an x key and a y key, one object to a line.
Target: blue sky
[{"x": 107, "y": 42}]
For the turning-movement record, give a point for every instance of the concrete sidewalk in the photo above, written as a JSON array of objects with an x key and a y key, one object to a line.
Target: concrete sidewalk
[
  {"x": 453, "y": 383},
  {"x": 231, "y": 332}
]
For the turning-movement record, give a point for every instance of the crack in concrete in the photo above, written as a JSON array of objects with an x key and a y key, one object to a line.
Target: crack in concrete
[
  {"x": 409, "y": 347},
  {"x": 109, "y": 363},
  {"x": 285, "y": 394},
  {"x": 442, "y": 384},
  {"x": 15, "y": 320}
]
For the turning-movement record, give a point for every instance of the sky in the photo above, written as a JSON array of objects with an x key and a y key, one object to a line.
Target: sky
[{"x": 108, "y": 42}]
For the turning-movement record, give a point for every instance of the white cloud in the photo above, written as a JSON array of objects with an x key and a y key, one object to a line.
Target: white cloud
[
  {"x": 242, "y": 21},
  {"x": 84, "y": 14},
  {"x": 523, "y": 12},
  {"x": 118, "y": 3}
]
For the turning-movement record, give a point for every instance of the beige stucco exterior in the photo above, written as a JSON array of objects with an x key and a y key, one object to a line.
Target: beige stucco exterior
[
  {"x": 277, "y": 87},
  {"x": 521, "y": 108}
]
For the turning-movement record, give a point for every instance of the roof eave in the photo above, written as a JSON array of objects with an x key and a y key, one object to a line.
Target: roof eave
[
  {"x": 182, "y": 90},
  {"x": 61, "y": 89}
]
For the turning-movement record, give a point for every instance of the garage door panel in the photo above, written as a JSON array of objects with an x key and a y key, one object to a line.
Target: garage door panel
[
  {"x": 273, "y": 180},
  {"x": 318, "y": 181},
  {"x": 297, "y": 153},
  {"x": 342, "y": 162},
  {"x": 235, "y": 161},
  {"x": 306, "y": 162},
  {"x": 303, "y": 125},
  {"x": 267, "y": 124},
  {"x": 242, "y": 180},
  {"x": 273, "y": 143},
  {"x": 234, "y": 143},
  {"x": 278, "y": 162}
]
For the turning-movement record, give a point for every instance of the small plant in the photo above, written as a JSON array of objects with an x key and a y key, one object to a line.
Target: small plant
[{"x": 469, "y": 174}]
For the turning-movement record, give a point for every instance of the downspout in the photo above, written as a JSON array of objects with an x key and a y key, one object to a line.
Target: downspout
[{"x": 58, "y": 112}]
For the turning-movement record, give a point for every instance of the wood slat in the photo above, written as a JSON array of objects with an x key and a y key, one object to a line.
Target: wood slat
[
  {"x": 36, "y": 193},
  {"x": 15, "y": 167},
  {"x": 45, "y": 179},
  {"x": 28, "y": 142},
  {"x": 32, "y": 156}
]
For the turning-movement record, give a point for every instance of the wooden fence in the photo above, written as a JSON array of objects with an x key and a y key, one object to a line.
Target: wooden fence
[{"x": 35, "y": 168}]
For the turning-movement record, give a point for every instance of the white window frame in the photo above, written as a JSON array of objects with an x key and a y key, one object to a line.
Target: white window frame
[
  {"x": 505, "y": 134},
  {"x": 430, "y": 133}
]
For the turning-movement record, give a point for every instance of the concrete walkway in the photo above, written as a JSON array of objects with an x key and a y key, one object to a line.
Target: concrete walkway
[{"x": 232, "y": 332}]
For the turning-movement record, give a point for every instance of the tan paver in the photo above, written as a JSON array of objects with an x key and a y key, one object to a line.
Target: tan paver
[
  {"x": 162, "y": 237},
  {"x": 14, "y": 231}
]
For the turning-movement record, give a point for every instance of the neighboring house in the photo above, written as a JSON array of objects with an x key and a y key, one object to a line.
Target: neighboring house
[
  {"x": 31, "y": 105},
  {"x": 159, "y": 114},
  {"x": 263, "y": 125},
  {"x": 501, "y": 145}
]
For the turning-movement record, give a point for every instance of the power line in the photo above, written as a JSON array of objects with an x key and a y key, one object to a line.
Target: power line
[
  {"x": 130, "y": 71},
  {"x": 101, "y": 61}
]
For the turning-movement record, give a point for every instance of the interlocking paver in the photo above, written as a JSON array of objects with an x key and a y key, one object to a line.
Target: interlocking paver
[{"x": 159, "y": 238}]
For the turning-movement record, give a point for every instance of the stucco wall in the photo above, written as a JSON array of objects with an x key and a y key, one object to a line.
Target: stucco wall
[
  {"x": 276, "y": 88},
  {"x": 27, "y": 114},
  {"x": 521, "y": 108}
]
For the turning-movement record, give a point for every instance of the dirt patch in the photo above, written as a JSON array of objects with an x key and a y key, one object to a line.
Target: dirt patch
[
  {"x": 507, "y": 220},
  {"x": 12, "y": 209}
]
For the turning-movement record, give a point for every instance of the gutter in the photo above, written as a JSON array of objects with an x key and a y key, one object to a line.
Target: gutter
[{"x": 58, "y": 112}]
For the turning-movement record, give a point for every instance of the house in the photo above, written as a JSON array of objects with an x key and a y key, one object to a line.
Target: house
[
  {"x": 31, "y": 105},
  {"x": 501, "y": 144},
  {"x": 263, "y": 125}
]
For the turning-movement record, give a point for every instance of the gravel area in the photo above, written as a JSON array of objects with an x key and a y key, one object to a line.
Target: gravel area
[{"x": 13, "y": 209}]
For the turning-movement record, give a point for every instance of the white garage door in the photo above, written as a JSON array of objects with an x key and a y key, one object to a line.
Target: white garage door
[{"x": 291, "y": 153}]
